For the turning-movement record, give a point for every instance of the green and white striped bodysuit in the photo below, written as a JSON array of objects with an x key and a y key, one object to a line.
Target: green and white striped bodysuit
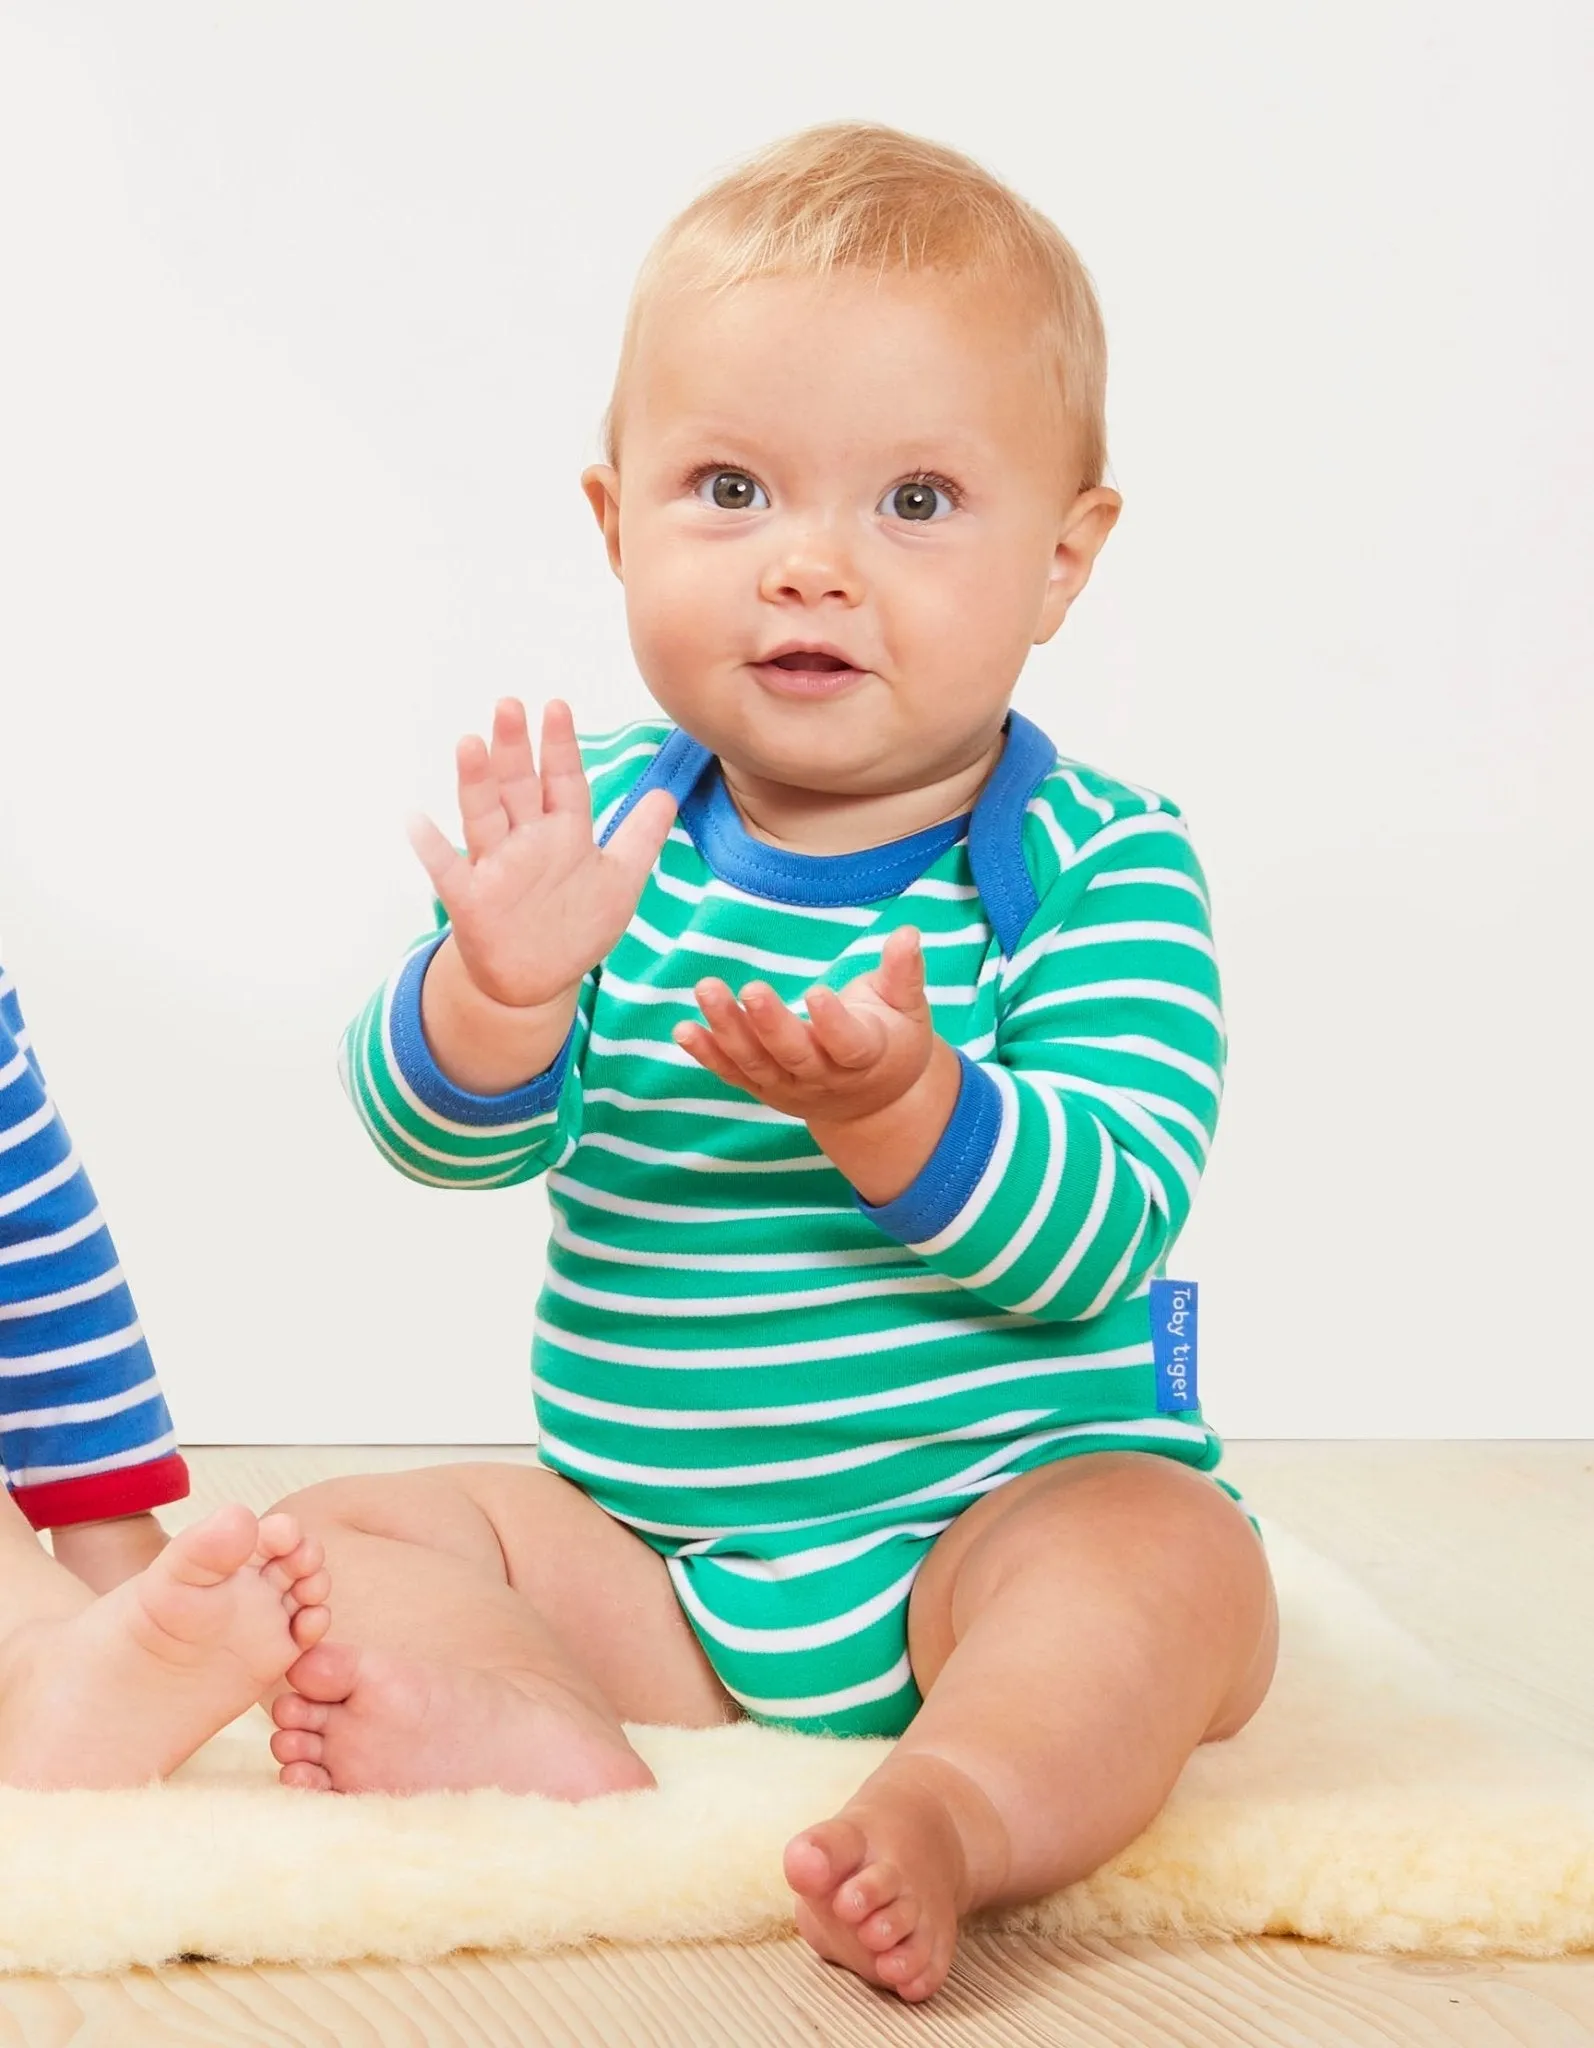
[{"x": 786, "y": 1392}]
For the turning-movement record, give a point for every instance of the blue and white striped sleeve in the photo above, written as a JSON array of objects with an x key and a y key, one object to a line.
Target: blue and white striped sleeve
[{"x": 85, "y": 1435}]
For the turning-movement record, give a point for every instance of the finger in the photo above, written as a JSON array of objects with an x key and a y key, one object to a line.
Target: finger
[
  {"x": 732, "y": 1032},
  {"x": 784, "y": 1036},
  {"x": 483, "y": 816},
  {"x": 445, "y": 865},
  {"x": 901, "y": 978},
  {"x": 518, "y": 788},
  {"x": 701, "y": 1045},
  {"x": 852, "y": 1038},
  {"x": 564, "y": 780}
]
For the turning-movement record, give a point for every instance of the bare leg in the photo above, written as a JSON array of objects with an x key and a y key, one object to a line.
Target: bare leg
[
  {"x": 33, "y": 1587},
  {"x": 1077, "y": 1636},
  {"x": 495, "y": 1628},
  {"x": 120, "y": 1689}
]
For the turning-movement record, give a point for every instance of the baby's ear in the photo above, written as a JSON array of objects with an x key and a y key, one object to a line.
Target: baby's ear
[
  {"x": 601, "y": 487},
  {"x": 1086, "y": 525}
]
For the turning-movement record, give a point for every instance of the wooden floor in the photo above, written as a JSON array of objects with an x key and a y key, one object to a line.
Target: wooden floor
[{"x": 1482, "y": 1550}]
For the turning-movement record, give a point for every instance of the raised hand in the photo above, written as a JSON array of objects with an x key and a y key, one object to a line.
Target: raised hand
[
  {"x": 534, "y": 902},
  {"x": 863, "y": 1047}
]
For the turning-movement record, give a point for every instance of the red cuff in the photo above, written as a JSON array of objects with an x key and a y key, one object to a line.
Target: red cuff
[{"x": 104, "y": 1496}]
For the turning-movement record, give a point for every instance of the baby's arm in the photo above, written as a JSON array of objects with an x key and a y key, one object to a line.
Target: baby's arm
[
  {"x": 461, "y": 1066},
  {"x": 1049, "y": 1178},
  {"x": 86, "y": 1442}
]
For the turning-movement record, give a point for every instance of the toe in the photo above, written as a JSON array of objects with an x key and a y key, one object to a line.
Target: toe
[
  {"x": 306, "y": 1777},
  {"x": 212, "y": 1550},
  {"x": 279, "y": 1536},
  {"x": 295, "y": 1567},
  {"x": 917, "y": 1968},
  {"x": 291, "y": 1710},
  {"x": 928, "y": 1982},
  {"x": 876, "y": 1885},
  {"x": 326, "y": 1672},
  {"x": 308, "y": 1626},
  {"x": 884, "y": 1930},
  {"x": 296, "y": 1746},
  {"x": 909, "y": 1959},
  {"x": 821, "y": 1858},
  {"x": 310, "y": 1591}
]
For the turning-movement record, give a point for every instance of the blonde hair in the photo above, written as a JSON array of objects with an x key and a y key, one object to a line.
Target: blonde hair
[{"x": 858, "y": 196}]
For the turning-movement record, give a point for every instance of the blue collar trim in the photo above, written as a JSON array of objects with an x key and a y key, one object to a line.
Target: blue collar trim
[
  {"x": 996, "y": 836},
  {"x": 869, "y": 875},
  {"x": 995, "y": 830}
]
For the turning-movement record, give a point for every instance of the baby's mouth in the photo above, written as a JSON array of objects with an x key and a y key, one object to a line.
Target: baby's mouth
[
  {"x": 806, "y": 672},
  {"x": 824, "y": 663}
]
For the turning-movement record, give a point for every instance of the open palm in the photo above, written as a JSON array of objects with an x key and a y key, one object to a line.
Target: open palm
[
  {"x": 862, "y": 1047},
  {"x": 534, "y": 901}
]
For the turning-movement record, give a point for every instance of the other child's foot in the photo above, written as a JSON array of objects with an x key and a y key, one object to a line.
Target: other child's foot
[
  {"x": 369, "y": 1721},
  {"x": 130, "y": 1686}
]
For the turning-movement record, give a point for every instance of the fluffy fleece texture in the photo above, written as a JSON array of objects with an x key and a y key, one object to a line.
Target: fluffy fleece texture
[{"x": 1369, "y": 1803}]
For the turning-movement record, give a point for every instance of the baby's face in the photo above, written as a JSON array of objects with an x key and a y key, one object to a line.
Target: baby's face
[{"x": 844, "y": 512}]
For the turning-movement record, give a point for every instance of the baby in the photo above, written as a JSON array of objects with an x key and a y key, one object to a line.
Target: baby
[
  {"x": 872, "y": 1051},
  {"x": 184, "y": 1635}
]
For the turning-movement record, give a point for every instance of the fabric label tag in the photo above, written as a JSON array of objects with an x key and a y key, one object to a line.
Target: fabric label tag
[{"x": 1173, "y": 1344}]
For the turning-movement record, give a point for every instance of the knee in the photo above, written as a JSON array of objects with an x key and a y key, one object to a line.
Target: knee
[
  {"x": 327, "y": 1503},
  {"x": 1170, "y": 1553},
  {"x": 435, "y": 1508}
]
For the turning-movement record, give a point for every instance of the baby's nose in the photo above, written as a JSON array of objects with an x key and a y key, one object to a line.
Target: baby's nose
[{"x": 811, "y": 565}]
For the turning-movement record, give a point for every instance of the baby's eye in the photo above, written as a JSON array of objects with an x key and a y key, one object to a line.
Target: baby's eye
[
  {"x": 733, "y": 490},
  {"x": 917, "y": 500}
]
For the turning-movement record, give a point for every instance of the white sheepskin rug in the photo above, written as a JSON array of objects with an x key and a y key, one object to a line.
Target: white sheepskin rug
[{"x": 1369, "y": 1803}]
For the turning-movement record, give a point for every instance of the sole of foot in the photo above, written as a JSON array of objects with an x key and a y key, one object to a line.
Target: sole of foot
[
  {"x": 371, "y": 1721},
  {"x": 123, "y": 1691}
]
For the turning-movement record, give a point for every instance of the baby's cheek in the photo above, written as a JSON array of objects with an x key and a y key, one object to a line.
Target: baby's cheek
[
  {"x": 970, "y": 635},
  {"x": 677, "y": 608}
]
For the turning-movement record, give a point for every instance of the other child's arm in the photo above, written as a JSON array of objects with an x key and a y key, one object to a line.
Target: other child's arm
[{"x": 86, "y": 1442}]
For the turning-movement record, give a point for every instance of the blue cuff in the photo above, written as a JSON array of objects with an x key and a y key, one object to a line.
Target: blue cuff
[
  {"x": 952, "y": 1171},
  {"x": 432, "y": 1085}
]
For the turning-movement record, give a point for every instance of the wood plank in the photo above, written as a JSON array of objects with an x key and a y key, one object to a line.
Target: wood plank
[{"x": 1007, "y": 1992}]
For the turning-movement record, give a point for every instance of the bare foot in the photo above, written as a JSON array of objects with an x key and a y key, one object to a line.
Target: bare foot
[
  {"x": 882, "y": 1887},
  {"x": 368, "y": 1721},
  {"x": 124, "y": 1690}
]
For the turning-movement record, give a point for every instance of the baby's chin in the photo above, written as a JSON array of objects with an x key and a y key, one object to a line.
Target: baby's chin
[{"x": 855, "y": 743}]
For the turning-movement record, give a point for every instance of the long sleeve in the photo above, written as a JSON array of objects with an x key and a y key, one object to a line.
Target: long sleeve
[
  {"x": 435, "y": 1132},
  {"x": 84, "y": 1431},
  {"x": 1072, "y": 1155},
  {"x": 423, "y": 1125}
]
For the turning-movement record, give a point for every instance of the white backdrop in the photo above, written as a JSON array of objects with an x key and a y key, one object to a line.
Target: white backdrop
[{"x": 309, "y": 312}]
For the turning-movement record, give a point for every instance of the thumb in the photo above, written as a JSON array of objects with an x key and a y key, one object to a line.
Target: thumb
[
  {"x": 639, "y": 840},
  {"x": 902, "y": 969},
  {"x": 440, "y": 858}
]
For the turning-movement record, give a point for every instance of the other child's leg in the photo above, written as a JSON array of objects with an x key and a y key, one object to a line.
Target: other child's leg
[{"x": 120, "y": 1689}]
